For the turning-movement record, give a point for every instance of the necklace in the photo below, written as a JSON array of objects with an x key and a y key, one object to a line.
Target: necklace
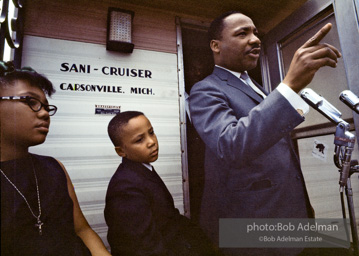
[{"x": 39, "y": 222}]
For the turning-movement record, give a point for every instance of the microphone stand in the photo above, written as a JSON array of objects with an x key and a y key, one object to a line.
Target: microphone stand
[{"x": 344, "y": 145}]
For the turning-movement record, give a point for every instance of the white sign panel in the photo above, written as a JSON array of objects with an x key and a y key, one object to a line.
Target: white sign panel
[{"x": 93, "y": 84}]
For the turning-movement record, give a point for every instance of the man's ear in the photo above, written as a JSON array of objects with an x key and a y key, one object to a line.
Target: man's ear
[
  {"x": 120, "y": 152},
  {"x": 214, "y": 44}
]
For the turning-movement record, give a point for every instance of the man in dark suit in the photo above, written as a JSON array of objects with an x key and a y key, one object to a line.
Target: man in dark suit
[
  {"x": 251, "y": 168},
  {"x": 140, "y": 211}
]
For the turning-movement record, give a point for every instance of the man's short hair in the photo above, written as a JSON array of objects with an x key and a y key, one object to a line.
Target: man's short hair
[
  {"x": 32, "y": 77},
  {"x": 116, "y": 124},
  {"x": 216, "y": 27}
]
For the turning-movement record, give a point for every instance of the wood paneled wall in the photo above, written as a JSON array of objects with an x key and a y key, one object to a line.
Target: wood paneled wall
[{"x": 86, "y": 21}]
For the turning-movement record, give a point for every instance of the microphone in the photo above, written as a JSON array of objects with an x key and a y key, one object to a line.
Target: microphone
[
  {"x": 342, "y": 136},
  {"x": 350, "y": 99},
  {"x": 321, "y": 105}
]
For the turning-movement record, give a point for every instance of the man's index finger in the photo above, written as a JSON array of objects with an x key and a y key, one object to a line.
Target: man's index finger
[{"x": 314, "y": 40}]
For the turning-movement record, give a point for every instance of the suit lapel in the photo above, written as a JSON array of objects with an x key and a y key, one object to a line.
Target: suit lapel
[
  {"x": 235, "y": 82},
  {"x": 142, "y": 170},
  {"x": 149, "y": 175}
]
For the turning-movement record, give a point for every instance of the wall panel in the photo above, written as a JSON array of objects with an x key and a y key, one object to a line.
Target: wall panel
[
  {"x": 78, "y": 137},
  {"x": 322, "y": 177},
  {"x": 86, "y": 21}
]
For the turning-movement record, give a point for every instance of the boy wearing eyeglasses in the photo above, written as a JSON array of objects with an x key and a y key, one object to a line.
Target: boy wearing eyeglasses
[{"x": 40, "y": 214}]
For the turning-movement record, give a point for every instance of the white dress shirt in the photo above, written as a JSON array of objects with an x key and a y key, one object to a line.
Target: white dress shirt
[
  {"x": 294, "y": 99},
  {"x": 148, "y": 166}
]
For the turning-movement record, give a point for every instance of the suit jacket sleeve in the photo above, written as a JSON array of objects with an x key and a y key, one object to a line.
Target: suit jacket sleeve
[
  {"x": 130, "y": 220},
  {"x": 239, "y": 134}
]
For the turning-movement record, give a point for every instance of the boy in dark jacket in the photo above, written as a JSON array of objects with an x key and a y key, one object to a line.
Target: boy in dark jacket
[{"x": 140, "y": 211}]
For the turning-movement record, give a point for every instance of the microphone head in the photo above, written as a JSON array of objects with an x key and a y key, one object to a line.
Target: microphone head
[
  {"x": 311, "y": 98},
  {"x": 350, "y": 99},
  {"x": 321, "y": 105}
]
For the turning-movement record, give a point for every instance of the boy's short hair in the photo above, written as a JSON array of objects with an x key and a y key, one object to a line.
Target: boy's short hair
[
  {"x": 9, "y": 75},
  {"x": 116, "y": 124}
]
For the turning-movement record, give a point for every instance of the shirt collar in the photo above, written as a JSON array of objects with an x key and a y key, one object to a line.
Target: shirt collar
[
  {"x": 236, "y": 74},
  {"x": 148, "y": 166}
]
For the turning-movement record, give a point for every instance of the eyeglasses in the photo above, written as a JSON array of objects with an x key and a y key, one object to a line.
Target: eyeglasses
[{"x": 33, "y": 103}]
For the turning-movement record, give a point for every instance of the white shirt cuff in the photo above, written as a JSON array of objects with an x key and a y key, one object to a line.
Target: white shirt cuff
[{"x": 294, "y": 99}]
